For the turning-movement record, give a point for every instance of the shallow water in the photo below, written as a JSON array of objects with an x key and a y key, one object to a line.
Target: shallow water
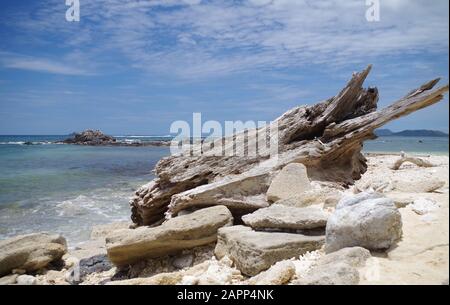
[
  {"x": 69, "y": 188},
  {"x": 411, "y": 145}
]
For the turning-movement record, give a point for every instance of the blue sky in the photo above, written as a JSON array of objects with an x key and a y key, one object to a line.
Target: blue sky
[{"x": 134, "y": 67}]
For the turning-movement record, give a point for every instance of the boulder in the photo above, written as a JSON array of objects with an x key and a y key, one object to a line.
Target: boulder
[
  {"x": 374, "y": 224},
  {"x": 278, "y": 274},
  {"x": 184, "y": 232},
  {"x": 253, "y": 252},
  {"x": 284, "y": 217},
  {"x": 337, "y": 268},
  {"x": 292, "y": 180},
  {"x": 30, "y": 252}
]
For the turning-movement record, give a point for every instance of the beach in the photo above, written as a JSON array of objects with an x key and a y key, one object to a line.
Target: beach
[
  {"x": 85, "y": 216},
  {"x": 421, "y": 257},
  {"x": 240, "y": 144},
  {"x": 68, "y": 189}
]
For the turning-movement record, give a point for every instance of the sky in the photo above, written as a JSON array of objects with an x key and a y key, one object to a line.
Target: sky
[{"x": 134, "y": 67}]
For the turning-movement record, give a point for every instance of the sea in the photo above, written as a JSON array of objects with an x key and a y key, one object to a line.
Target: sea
[{"x": 67, "y": 189}]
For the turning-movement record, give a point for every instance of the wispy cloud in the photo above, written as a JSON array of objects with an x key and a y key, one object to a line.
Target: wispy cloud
[
  {"x": 14, "y": 61},
  {"x": 198, "y": 39}
]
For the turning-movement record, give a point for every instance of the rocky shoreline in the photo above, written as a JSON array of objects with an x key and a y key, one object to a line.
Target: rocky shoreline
[
  {"x": 319, "y": 213},
  {"x": 355, "y": 236},
  {"x": 97, "y": 138}
]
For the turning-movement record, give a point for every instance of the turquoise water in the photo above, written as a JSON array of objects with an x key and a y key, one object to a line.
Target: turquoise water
[
  {"x": 411, "y": 145},
  {"x": 69, "y": 188}
]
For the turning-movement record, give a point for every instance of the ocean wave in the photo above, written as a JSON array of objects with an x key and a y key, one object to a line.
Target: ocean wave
[
  {"x": 131, "y": 141},
  {"x": 12, "y": 143},
  {"x": 26, "y": 143},
  {"x": 83, "y": 205},
  {"x": 150, "y": 137}
]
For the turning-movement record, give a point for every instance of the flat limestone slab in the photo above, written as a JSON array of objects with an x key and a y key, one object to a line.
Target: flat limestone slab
[
  {"x": 253, "y": 252},
  {"x": 292, "y": 180},
  {"x": 30, "y": 252},
  {"x": 279, "y": 216},
  {"x": 183, "y": 232}
]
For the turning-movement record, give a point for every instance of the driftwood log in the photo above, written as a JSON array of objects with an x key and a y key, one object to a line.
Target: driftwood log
[
  {"x": 415, "y": 160},
  {"x": 326, "y": 137}
]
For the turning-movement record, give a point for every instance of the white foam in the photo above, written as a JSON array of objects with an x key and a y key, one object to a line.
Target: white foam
[{"x": 12, "y": 143}]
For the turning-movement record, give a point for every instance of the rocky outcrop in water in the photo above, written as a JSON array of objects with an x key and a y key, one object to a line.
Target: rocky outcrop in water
[
  {"x": 97, "y": 138},
  {"x": 90, "y": 137}
]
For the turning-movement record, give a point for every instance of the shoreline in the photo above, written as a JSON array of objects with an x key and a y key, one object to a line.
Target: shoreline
[
  {"x": 414, "y": 251},
  {"x": 413, "y": 154}
]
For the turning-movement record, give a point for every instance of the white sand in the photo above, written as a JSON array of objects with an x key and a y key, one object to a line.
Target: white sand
[{"x": 422, "y": 256}]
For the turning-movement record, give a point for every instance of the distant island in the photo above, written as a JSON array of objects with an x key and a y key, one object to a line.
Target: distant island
[{"x": 410, "y": 133}]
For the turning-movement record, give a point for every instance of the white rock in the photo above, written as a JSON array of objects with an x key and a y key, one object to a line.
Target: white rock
[
  {"x": 189, "y": 280},
  {"x": 374, "y": 224},
  {"x": 424, "y": 206},
  {"x": 278, "y": 274},
  {"x": 26, "y": 280},
  {"x": 9, "y": 279},
  {"x": 218, "y": 274},
  {"x": 306, "y": 261}
]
